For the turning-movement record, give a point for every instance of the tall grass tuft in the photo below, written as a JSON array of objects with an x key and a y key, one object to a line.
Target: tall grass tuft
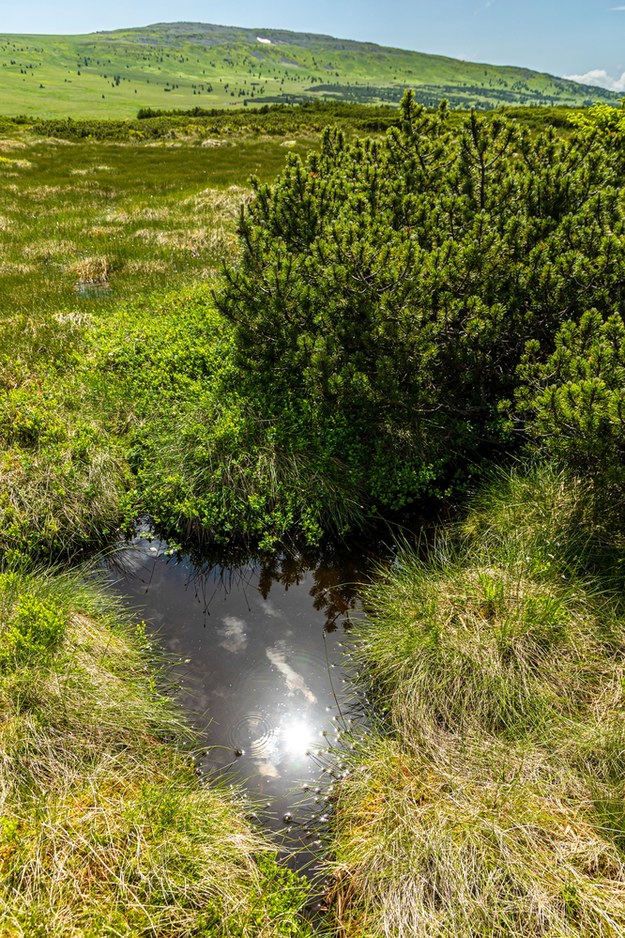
[
  {"x": 488, "y": 800},
  {"x": 471, "y": 839}
]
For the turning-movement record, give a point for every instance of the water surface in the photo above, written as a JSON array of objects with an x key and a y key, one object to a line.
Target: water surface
[{"x": 261, "y": 655}]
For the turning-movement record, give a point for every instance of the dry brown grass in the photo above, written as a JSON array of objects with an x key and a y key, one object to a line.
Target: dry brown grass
[
  {"x": 473, "y": 839},
  {"x": 94, "y": 269},
  {"x": 148, "y": 267},
  {"x": 220, "y": 240},
  {"x": 149, "y": 213},
  {"x": 11, "y": 268},
  {"x": 225, "y": 202},
  {"x": 50, "y": 249},
  {"x": 7, "y": 145}
]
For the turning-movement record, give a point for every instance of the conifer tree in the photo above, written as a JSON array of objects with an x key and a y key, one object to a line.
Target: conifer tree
[{"x": 387, "y": 289}]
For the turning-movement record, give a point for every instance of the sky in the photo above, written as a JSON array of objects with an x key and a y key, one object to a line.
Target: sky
[{"x": 575, "y": 38}]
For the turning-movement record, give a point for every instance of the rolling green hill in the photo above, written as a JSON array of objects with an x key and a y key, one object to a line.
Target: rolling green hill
[{"x": 184, "y": 65}]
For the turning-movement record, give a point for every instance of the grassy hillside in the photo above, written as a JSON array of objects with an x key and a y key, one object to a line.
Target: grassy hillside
[{"x": 183, "y": 65}]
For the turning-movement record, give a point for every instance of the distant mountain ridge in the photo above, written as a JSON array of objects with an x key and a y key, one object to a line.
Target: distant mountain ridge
[{"x": 183, "y": 65}]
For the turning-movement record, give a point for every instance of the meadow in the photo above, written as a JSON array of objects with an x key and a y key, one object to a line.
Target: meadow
[
  {"x": 133, "y": 217},
  {"x": 186, "y": 65}
]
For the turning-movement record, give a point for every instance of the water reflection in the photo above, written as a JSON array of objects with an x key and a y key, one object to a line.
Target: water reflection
[
  {"x": 261, "y": 661},
  {"x": 334, "y": 586}
]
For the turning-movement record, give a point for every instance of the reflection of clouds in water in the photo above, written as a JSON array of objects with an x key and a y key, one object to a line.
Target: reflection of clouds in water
[
  {"x": 266, "y": 769},
  {"x": 294, "y": 680},
  {"x": 270, "y": 610},
  {"x": 291, "y": 740},
  {"x": 233, "y": 635},
  {"x": 134, "y": 558},
  {"x": 263, "y": 743}
]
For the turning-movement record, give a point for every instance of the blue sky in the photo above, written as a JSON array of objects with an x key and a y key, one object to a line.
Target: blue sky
[{"x": 566, "y": 37}]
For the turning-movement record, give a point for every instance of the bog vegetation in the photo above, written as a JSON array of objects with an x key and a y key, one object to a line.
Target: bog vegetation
[{"x": 360, "y": 333}]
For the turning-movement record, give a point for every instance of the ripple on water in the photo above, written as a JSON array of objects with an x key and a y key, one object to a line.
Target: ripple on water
[{"x": 253, "y": 736}]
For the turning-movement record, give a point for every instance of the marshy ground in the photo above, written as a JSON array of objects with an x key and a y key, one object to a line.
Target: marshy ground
[{"x": 487, "y": 799}]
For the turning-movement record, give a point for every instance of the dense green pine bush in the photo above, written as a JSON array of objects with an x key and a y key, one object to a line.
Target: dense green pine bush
[
  {"x": 386, "y": 291},
  {"x": 573, "y": 402}
]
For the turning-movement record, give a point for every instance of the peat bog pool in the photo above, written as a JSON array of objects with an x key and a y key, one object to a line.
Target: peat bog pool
[{"x": 261, "y": 652}]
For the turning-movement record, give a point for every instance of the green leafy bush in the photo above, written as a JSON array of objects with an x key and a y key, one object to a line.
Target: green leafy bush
[{"x": 30, "y": 628}]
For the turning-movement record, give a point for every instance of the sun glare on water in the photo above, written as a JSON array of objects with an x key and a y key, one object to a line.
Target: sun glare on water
[{"x": 296, "y": 737}]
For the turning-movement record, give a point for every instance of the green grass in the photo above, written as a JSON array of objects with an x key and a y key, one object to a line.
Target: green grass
[
  {"x": 182, "y": 65},
  {"x": 105, "y": 829},
  {"x": 487, "y": 800},
  {"x": 135, "y": 217},
  {"x": 87, "y": 231}
]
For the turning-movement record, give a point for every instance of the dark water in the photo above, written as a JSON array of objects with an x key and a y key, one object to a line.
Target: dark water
[
  {"x": 92, "y": 288},
  {"x": 261, "y": 651}
]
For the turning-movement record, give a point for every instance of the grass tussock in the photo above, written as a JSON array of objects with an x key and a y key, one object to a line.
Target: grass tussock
[
  {"x": 105, "y": 829},
  {"x": 484, "y": 647},
  {"x": 94, "y": 269},
  {"x": 488, "y": 802},
  {"x": 561, "y": 523},
  {"x": 471, "y": 839}
]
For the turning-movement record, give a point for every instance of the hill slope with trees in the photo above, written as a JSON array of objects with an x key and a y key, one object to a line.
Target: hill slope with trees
[{"x": 183, "y": 65}]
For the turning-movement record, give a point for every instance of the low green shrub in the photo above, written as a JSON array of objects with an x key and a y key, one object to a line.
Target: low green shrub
[
  {"x": 390, "y": 286},
  {"x": 207, "y": 465},
  {"x": 30, "y": 630}
]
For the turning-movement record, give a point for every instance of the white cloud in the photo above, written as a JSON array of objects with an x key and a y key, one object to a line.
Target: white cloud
[
  {"x": 294, "y": 680},
  {"x": 233, "y": 634},
  {"x": 599, "y": 78},
  {"x": 617, "y": 8}
]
